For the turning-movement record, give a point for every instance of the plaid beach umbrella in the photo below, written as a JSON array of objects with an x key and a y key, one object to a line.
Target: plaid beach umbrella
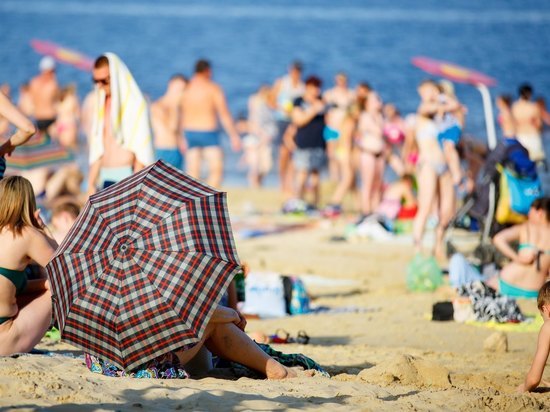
[{"x": 143, "y": 268}]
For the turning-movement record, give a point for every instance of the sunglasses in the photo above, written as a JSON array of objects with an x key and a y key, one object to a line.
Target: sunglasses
[{"x": 104, "y": 82}]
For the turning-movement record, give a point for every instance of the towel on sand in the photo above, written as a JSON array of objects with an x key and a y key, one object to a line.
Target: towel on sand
[{"x": 130, "y": 123}]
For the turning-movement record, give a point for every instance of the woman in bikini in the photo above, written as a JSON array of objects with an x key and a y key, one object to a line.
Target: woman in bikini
[
  {"x": 371, "y": 143},
  {"x": 529, "y": 267},
  {"x": 25, "y": 305},
  {"x": 435, "y": 183}
]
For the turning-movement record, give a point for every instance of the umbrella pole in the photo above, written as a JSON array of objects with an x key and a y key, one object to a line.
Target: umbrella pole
[{"x": 489, "y": 117}]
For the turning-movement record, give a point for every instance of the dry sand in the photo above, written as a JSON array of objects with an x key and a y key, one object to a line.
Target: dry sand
[{"x": 390, "y": 358}]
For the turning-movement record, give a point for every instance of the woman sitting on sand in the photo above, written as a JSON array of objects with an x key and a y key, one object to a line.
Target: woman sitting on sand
[
  {"x": 434, "y": 179},
  {"x": 25, "y": 305},
  {"x": 530, "y": 265}
]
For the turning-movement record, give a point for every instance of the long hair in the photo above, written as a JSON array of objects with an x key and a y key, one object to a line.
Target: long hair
[{"x": 17, "y": 205}]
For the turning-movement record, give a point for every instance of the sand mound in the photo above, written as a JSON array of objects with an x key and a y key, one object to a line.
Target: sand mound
[{"x": 407, "y": 370}]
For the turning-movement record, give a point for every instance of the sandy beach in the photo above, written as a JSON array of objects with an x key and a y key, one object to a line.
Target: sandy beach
[{"x": 388, "y": 356}]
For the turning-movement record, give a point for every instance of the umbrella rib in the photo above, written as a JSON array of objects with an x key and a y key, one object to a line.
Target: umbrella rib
[{"x": 173, "y": 211}]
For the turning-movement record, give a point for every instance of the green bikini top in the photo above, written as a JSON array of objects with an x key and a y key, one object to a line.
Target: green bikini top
[{"x": 17, "y": 277}]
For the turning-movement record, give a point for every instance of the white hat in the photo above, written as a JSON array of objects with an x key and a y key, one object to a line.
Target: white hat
[{"x": 47, "y": 63}]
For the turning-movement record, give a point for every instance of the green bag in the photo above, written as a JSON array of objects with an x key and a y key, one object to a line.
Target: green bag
[{"x": 424, "y": 274}]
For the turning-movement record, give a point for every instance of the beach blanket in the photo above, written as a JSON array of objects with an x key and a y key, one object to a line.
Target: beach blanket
[
  {"x": 531, "y": 325},
  {"x": 169, "y": 367},
  {"x": 130, "y": 123}
]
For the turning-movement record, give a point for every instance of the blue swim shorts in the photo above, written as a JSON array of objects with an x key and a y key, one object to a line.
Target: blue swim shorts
[
  {"x": 202, "y": 138},
  {"x": 170, "y": 156}
]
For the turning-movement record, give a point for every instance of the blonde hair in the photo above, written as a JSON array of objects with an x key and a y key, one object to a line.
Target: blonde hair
[{"x": 17, "y": 204}]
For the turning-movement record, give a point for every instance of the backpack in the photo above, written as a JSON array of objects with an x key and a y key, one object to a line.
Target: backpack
[{"x": 296, "y": 297}]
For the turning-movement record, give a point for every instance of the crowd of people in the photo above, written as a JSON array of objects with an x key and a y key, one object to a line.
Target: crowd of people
[{"x": 350, "y": 133}]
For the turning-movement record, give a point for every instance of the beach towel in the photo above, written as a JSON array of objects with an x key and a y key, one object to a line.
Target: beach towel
[
  {"x": 130, "y": 122},
  {"x": 488, "y": 305}
]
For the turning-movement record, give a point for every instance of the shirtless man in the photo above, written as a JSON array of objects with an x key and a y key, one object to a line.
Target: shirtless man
[
  {"x": 166, "y": 122},
  {"x": 528, "y": 119},
  {"x": 44, "y": 93},
  {"x": 204, "y": 107},
  {"x": 114, "y": 162}
]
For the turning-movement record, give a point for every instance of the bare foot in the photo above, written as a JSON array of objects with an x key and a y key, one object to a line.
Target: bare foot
[{"x": 275, "y": 370}]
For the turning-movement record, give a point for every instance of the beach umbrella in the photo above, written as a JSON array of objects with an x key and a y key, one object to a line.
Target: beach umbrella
[
  {"x": 39, "y": 151},
  {"x": 63, "y": 54},
  {"x": 461, "y": 74},
  {"x": 144, "y": 266}
]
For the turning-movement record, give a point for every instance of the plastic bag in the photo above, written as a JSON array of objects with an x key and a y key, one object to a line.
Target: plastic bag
[{"x": 424, "y": 274}]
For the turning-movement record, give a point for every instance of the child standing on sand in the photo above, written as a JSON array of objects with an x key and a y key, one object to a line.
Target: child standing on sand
[{"x": 534, "y": 376}]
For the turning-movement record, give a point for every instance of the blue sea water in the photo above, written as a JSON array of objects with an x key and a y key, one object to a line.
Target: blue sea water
[{"x": 252, "y": 42}]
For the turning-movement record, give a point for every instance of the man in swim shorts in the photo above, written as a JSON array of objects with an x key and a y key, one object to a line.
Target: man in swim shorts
[
  {"x": 203, "y": 108},
  {"x": 166, "y": 122},
  {"x": 44, "y": 94}
]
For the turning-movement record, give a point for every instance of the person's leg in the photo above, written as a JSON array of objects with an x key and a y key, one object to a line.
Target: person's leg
[
  {"x": 427, "y": 187},
  {"x": 23, "y": 332},
  {"x": 285, "y": 171},
  {"x": 214, "y": 159},
  {"x": 333, "y": 170},
  {"x": 446, "y": 211},
  {"x": 367, "y": 170},
  {"x": 378, "y": 182},
  {"x": 229, "y": 342},
  {"x": 314, "y": 181},
  {"x": 301, "y": 183},
  {"x": 193, "y": 162},
  {"x": 346, "y": 180}
]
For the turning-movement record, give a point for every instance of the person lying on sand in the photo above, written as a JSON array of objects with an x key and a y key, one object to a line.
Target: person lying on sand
[{"x": 534, "y": 376}]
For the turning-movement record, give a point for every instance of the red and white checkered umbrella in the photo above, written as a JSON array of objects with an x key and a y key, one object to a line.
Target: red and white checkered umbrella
[{"x": 144, "y": 267}]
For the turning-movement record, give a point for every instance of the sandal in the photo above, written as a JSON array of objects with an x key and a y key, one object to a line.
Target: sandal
[
  {"x": 302, "y": 338},
  {"x": 280, "y": 336}
]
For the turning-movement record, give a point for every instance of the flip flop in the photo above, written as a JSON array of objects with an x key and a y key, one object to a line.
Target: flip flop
[{"x": 280, "y": 336}]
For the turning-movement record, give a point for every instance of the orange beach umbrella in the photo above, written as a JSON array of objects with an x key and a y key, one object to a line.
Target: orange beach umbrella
[{"x": 63, "y": 54}]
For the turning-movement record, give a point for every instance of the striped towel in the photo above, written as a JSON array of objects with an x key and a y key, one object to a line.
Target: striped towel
[{"x": 130, "y": 121}]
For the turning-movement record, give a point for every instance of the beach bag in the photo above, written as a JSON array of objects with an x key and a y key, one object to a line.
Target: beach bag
[
  {"x": 299, "y": 300},
  {"x": 515, "y": 198},
  {"x": 264, "y": 295},
  {"x": 423, "y": 274}
]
